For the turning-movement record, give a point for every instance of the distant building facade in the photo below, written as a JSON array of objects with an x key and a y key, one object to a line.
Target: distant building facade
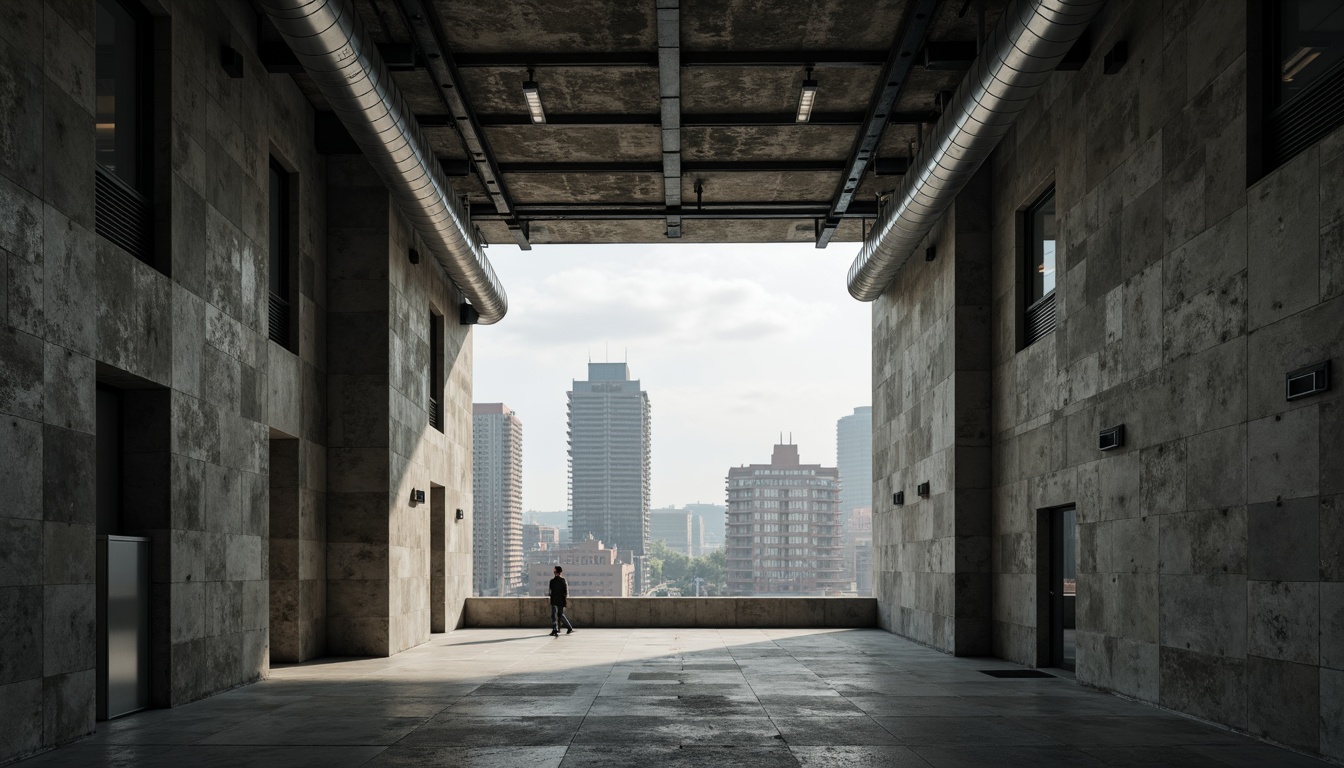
[
  {"x": 697, "y": 536},
  {"x": 673, "y": 527},
  {"x": 497, "y": 493},
  {"x": 783, "y": 531},
  {"x": 713, "y": 516},
  {"x": 591, "y": 569},
  {"x": 609, "y": 462},
  {"x": 859, "y": 549},
  {"x": 854, "y": 459},
  {"x": 537, "y": 537}
]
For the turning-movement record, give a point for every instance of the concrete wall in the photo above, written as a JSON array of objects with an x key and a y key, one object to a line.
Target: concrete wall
[
  {"x": 379, "y": 554},
  {"x": 1210, "y": 574},
  {"x": 691, "y": 612},
  {"x": 225, "y": 455}
]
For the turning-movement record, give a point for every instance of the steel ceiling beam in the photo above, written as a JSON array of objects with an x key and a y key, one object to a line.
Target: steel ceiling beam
[
  {"x": 685, "y": 166},
  {"x": 653, "y": 211},
  {"x": 642, "y": 59},
  {"x": 899, "y": 63},
  {"x": 669, "y": 101},
  {"x": 426, "y": 29},
  {"x": 847, "y": 119}
]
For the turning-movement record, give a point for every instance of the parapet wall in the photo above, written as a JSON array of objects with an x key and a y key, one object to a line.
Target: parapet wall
[{"x": 678, "y": 612}]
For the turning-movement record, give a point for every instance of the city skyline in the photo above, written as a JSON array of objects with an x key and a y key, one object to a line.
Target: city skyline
[{"x": 738, "y": 343}]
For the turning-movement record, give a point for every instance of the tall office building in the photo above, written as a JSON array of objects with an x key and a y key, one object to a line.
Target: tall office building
[
  {"x": 784, "y": 527},
  {"x": 609, "y": 461},
  {"x": 674, "y": 527},
  {"x": 854, "y": 459},
  {"x": 497, "y": 491}
]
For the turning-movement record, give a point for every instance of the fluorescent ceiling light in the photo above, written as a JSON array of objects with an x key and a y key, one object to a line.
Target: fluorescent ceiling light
[
  {"x": 533, "y": 97},
  {"x": 806, "y": 98}
]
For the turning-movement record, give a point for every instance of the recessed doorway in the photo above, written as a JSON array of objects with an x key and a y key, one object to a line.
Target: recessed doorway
[{"x": 1063, "y": 586}]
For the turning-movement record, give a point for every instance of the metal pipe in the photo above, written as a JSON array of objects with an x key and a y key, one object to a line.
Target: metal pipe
[
  {"x": 1031, "y": 37},
  {"x": 329, "y": 40}
]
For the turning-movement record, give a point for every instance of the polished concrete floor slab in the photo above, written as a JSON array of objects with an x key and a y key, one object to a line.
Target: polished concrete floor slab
[{"x": 511, "y": 698}]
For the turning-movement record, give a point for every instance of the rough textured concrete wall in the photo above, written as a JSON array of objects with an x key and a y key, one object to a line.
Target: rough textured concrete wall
[
  {"x": 1210, "y": 544},
  {"x": 931, "y": 387},
  {"x": 382, "y": 445},
  {"x": 75, "y": 310}
]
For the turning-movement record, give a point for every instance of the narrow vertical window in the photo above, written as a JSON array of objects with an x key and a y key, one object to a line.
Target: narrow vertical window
[
  {"x": 1039, "y": 279},
  {"x": 122, "y": 208},
  {"x": 436, "y": 370},
  {"x": 1305, "y": 61},
  {"x": 279, "y": 310}
]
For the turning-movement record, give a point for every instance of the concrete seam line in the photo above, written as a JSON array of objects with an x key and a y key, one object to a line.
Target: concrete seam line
[
  {"x": 1030, "y": 39},
  {"x": 329, "y": 40}
]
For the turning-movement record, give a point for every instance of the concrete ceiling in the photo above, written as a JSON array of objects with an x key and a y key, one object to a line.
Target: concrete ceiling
[{"x": 594, "y": 173}]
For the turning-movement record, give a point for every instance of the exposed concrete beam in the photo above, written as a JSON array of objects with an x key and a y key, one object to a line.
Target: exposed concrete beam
[
  {"x": 900, "y": 60},
  {"x": 669, "y": 99},
  {"x": 687, "y": 121},
  {"x": 427, "y": 31},
  {"x": 785, "y": 59},
  {"x": 651, "y": 211},
  {"x": 690, "y": 166}
]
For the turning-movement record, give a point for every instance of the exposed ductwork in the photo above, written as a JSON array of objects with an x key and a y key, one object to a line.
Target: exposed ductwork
[
  {"x": 1030, "y": 39},
  {"x": 329, "y": 41}
]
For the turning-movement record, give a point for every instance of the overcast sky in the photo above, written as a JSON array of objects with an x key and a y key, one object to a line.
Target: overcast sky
[{"x": 733, "y": 343}]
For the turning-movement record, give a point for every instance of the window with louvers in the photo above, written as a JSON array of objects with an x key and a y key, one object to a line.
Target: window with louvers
[
  {"x": 278, "y": 294},
  {"x": 123, "y": 210},
  {"x": 1039, "y": 280},
  {"x": 1305, "y": 75},
  {"x": 435, "y": 370}
]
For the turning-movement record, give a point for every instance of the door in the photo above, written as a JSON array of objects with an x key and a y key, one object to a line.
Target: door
[{"x": 1063, "y": 586}]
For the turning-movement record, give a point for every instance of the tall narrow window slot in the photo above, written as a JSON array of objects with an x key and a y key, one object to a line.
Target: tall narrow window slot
[
  {"x": 1040, "y": 231},
  {"x": 279, "y": 309},
  {"x": 123, "y": 212},
  {"x": 436, "y": 370},
  {"x": 1305, "y": 75}
]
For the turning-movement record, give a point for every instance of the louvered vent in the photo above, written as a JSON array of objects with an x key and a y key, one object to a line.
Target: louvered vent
[
  {"x": 435, "y": 419},
  {"x": 1306, "y": 119},
  {"x": 123, "y": 215},
  {"x": 279, "y": 321},
  {"x": 1041, "y": 319}
]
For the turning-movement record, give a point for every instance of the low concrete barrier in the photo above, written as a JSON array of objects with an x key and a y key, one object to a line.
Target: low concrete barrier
[{"x": 678, "y": 612}]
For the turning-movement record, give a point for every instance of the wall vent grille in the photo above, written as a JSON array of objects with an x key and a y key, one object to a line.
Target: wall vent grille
[
  {"x": 123, "y": 215},
  {"x": 1040, "y": 319}
]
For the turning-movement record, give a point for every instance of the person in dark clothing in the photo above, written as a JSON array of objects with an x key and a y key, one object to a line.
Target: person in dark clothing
[{"x": 559, "y": 597}]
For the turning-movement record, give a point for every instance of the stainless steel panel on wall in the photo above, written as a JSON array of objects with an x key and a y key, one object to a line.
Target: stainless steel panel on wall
[{"x": 123, "y": 624}]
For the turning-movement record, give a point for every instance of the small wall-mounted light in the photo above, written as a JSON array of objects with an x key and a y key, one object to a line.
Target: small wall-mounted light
[
  {"x": 1112, "y": 437},
  {"x": 1115, "y": 58},
  {"x": 232, "y": 62},
  {"x": 1305, "y": 382},
  {"x": 468, "y": 315},
  {"x": 532, "y": 95},
  {"x": 417, "y": 496},
  {"x": 413, "y": 255},
  {"x": 931, "y": 253},
  {"x": 807, "y": 98},
  {"x": 923, "y": 488},
  {"x": 460, "y": 515},
  {"x": 898, "y": 498}
]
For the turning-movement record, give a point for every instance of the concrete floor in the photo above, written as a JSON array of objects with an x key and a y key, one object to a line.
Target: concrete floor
[{"x": 650, "y": 697}]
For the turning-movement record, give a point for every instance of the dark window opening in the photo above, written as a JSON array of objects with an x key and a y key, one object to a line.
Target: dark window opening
[
  {"x": 1040, "y": 241},
  {"x": 280, "y": 307},
  {"x": 123, "y": 212},
  {"x": 436, "y": 370},
  {"x": 1304, "y": 75}
]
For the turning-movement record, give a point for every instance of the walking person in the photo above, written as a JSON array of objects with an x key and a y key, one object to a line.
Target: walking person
[{"x": 559, "y": 597}]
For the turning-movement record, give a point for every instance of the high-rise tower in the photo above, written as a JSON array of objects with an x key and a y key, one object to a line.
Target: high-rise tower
[
  {"x": 854, "y": 459},
  {"x": 609, "y": 460},
  {"x": 497, "y": 493}
]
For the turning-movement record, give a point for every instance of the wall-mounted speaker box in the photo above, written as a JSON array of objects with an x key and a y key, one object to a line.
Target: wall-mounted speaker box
[
  {"x": 1112, "y": 437},
  {"x": 1305, "y": 382}
]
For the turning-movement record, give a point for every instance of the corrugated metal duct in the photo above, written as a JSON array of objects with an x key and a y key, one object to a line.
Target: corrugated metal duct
[
  {"x": 1027, "y": 43},
  {"x": 329, "y": 40}
]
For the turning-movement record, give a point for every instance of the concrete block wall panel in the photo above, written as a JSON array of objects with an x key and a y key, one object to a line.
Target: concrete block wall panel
[
  {"x": 380, "y": 560},
  {"x": 1210, "y": 544},
  {"x": 74, "y": 309},
  {"x": 932, "y": 424}
]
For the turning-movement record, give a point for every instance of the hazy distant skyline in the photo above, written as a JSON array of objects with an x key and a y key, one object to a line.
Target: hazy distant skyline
[{"x": 734, "y": 344}]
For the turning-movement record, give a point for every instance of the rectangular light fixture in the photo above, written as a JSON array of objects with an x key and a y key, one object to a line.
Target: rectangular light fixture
[
  {"x": 806, "y": 98},
  {"x": 533, "y": 97}
]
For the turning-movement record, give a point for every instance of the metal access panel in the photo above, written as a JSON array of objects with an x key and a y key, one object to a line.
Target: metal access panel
[{"x": 123, "y": 624}]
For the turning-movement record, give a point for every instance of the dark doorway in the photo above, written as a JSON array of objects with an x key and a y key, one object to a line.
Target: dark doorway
[{"x": 1063, "y": 588}]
